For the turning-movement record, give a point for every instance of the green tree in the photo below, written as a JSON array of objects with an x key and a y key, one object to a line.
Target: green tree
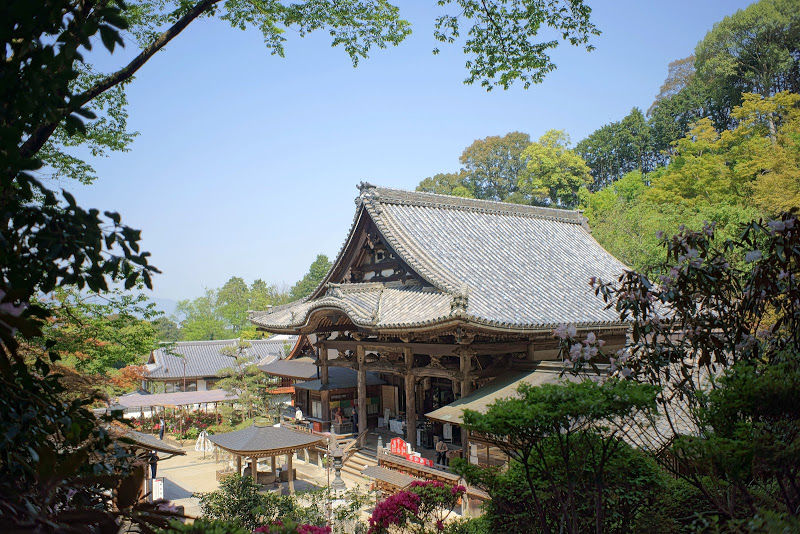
[
  {"x": 97, "y": 333},
  {"x": 759, "y": 155},
  {"x": 619, "y": 148},
  {"x": 201, "y": 318},
  {"x": 755, "y": 50},
  {"x": 244, "y": 379},
  {"x": 493, "y": 166},
  {"x": 446, "y": 184},
  {"x": 239, "y": 501},
  {"x": 233, "y": 303},
  {"x": 680, "y": 74},
  {"x": 316, "y": 273},
  {"x": 263, "y": 295},
  {"x": 554, "y": 173},
  {"x": 564, "y": 439},
  {"x": 166, "y": 329},
  {"x": 735, "y": 365}
]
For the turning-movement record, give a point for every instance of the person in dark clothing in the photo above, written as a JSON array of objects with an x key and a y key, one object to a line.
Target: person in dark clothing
[
  {"x": 153, "y": 461},
  {"x": 161, "y": 426},
  {"x": 355, "y": 418}
]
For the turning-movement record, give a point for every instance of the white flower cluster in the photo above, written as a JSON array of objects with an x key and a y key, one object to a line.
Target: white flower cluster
[
  {"x": 618, "y": 364},
  {"x": 578, "y": 351}
]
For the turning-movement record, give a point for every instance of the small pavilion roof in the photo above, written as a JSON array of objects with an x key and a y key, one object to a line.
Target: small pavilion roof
[
  {"x": 395, "y": 478},
  {"x": 491, "y": 264},
  {"x": 299, "y": 368},
  {"x": 143, "y": 441},
  {"x": 503, "y": 386},
  {"x": 181, "y": 398},
  {"x": 260, "y": 441}
]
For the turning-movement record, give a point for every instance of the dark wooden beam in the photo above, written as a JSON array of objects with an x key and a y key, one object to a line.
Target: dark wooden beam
[{"x": 387, "y": 346}]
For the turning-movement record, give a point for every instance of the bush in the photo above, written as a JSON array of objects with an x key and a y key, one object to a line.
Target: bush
[
  {"x": 474, "y": 525},
  {"x": 239, "y": 501}
]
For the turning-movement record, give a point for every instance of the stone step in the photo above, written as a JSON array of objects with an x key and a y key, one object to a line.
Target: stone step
[{"x": 357, "y": 462}]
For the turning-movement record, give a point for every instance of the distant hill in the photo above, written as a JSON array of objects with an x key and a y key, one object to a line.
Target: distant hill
[{"x": 165, "y": 305}]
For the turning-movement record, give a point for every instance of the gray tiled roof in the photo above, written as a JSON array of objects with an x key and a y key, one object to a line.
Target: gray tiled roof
[
  {"x": 395, "y": 478},
  {"x": 205, "y": 358},
  {"x": 300, "y": 368},
  {"x": 179, "y": 398},
  {"x": 256, "y": 439},
  {"x": 489, "y": 263}
]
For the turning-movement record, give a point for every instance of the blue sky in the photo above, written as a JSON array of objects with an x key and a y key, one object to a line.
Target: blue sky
[{"x": 247, "y": 163}]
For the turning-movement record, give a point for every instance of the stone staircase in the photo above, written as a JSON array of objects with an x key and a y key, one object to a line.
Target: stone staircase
[{"x": 358, "y": 461}]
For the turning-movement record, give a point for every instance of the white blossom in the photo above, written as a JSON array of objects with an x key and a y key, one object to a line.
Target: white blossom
[{"x": 572, "y": 330}]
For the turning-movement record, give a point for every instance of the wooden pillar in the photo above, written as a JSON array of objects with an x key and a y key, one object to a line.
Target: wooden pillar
[
  {"x": 362, "y": 393},
  {"x": 323, "y": 363},
  {"x": 238, "y": 464},
  {"x": 272, "y": 464},
  {"x": 290, "y": 478},
  {"x": 411, "y": 399},
  {"x": 466, "y": 388},
  {"x": 254, "y": 468}
]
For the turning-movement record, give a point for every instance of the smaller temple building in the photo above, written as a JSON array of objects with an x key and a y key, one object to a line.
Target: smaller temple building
[{"x": 196, "y": 365}]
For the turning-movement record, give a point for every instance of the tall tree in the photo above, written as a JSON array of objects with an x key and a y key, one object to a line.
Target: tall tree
[
  {"x": 679, "y": 74},
  {"x": 448, "y": 183},
  {"x": 494, "y": 165},
  {"x": 233, "y": 302},
  {"x": 201, "y": 318},
  {"x": 99, "y": 333},
  {"x": 554, "y": 173},
  {"x": 755, "y": 50},
  {"x": 316, "y": 272},
  {"x": 166, "y": 329},
  {"x": 619, "y": 148}
]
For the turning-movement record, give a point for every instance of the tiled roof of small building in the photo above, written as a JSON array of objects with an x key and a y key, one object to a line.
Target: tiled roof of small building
[
  {"x": 205, "y": 358},
  {"x": 255, "y": 439},
  {"x": 492, "y": 264}
]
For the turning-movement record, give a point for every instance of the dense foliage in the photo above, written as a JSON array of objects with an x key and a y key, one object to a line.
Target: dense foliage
[
  {"x": 719, "y": 144},
  {"x": 565, "y": 443},
  {"x": 720, "y": 340}
]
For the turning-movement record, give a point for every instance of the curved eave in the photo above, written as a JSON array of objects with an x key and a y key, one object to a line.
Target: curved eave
[{"x": 306, "y": 324}]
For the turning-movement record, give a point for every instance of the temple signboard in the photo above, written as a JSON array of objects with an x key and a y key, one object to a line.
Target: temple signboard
[{"x": 399, "y": 447}]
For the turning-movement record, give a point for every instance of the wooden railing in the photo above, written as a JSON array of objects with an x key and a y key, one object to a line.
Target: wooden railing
[{"x": 352, "y": 445}]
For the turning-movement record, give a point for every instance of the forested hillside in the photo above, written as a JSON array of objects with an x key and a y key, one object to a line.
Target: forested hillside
[{"x": 720, "y": 143}]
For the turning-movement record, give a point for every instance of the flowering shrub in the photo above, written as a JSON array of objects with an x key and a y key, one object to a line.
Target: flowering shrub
[
  {"x": 719, "y": 333},
  {"x": 422, "y": 508},
  {"x": 394, "y": 510}
]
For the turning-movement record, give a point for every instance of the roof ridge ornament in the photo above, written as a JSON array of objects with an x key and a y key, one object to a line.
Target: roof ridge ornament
[{"x": 460, "y": 302}]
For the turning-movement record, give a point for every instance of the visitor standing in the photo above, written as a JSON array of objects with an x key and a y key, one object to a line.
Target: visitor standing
[
  {"x": 153, "y": 460},
  {"x": 161, "y": 426},
  {"x": 441, "y": 452}
]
